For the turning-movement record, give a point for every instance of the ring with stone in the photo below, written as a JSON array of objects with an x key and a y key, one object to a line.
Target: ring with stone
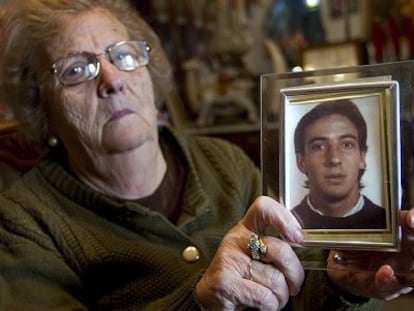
[
  {"x": 338, "y": 258},
  {"x": 256, "y": 246}
]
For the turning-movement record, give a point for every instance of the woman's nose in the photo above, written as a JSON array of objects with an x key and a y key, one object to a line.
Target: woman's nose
[{"x": 110, "y": 79}]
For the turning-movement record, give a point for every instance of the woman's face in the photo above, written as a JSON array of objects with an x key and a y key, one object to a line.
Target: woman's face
[{"x": 113, "y": 113}]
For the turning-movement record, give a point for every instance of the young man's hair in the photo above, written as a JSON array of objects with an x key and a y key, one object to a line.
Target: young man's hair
[{"x": 344, "y": 107}]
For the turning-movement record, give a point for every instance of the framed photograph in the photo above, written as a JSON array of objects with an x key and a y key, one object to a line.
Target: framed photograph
[
  {"x": 340, "y": 8},
  {"x": 332, "y": 55},
  {"x": 340, "y": 169}
]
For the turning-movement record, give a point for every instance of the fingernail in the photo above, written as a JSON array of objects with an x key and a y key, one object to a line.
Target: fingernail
[
  {"x": 387, "y": 280},
  {"x": 298, "y": 236}
]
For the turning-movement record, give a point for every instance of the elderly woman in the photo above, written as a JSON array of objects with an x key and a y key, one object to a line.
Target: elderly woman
[{"x": 124, "y": 215}]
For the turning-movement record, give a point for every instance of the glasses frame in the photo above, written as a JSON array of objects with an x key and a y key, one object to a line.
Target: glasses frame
[{"x": 142, "y": 45}]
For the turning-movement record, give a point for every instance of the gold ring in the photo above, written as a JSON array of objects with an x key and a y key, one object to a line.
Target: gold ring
[{"x": 256, "y": 246}]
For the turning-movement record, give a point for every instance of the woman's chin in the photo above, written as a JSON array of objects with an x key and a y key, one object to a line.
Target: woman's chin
[
  {"x": 126, "y": 134},
  {"x": 122, "y": 141}
]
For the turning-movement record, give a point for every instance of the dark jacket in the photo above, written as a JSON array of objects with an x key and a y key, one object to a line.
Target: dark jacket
[{"x": 371, "y": 216}]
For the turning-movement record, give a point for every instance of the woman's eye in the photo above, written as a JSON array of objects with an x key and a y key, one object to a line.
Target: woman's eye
[
  {"x": 74, "y": 71},
  {"x": 127, "y": 60},
  {"x": 79, "y": 72}
]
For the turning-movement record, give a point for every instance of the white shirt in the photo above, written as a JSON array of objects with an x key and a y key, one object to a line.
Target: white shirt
[{"x": 357, "y": 207}]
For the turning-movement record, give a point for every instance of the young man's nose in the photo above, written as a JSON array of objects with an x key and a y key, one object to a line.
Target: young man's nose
[
  {"x": 333, "y": 156},
  {"x": 110, "y": 79}
]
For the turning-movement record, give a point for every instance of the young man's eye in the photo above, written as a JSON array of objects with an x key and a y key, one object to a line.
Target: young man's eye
[
  {"x": 317, "y": 147},
  {"x": 348, "y": 144}
]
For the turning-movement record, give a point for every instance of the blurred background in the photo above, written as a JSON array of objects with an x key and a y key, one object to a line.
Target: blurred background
[{"x": 219, "y": 48}]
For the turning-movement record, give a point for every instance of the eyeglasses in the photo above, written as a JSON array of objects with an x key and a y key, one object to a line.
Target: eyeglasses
[{"x": 82, "y": 67}]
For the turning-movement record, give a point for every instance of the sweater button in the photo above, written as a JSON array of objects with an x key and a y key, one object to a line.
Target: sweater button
[{"x": 190, "y": 254}]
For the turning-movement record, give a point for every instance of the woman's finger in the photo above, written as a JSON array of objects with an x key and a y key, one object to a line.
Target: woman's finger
[
  {"x": 266, "y": 212},
  {"x": 387, "y": 284},
  {"x": 253, "y": 294},
  {"x": 280, "y": 255},
  {"x": 270, "y": 277}
]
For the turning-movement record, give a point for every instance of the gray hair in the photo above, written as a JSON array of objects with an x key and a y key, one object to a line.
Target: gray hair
[{"x": 26, "y": 29}]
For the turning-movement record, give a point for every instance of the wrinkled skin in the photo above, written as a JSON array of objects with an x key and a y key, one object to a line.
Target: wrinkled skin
[
  {"x": 108, "y": 125},
  {"x": 234, "y": 281}
]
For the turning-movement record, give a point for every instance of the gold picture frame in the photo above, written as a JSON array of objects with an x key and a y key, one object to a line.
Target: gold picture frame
[{"x": 378, "y": 101}]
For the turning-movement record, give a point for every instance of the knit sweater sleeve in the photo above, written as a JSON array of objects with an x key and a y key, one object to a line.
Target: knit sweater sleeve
[
  {"x": 33, "y": 276},
  {"x": 236, "y": 169}
]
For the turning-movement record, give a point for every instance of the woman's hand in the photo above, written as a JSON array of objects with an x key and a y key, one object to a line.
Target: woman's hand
[
  {"x": 234, "y": 280},
  {"x": 384, "y": 275}
]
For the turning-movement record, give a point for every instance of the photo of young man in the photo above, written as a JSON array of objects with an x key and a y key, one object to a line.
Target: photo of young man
[{"x": 331, "y": 146}]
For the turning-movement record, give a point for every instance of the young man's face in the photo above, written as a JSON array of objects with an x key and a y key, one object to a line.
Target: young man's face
[{"x": 332, "y": 159}]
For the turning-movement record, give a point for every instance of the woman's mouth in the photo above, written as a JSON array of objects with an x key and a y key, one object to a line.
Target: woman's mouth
[{"x": 119, "y": 114}]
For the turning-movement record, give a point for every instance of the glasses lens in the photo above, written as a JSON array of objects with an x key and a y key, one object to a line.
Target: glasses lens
[
  {"x": 129, "y": 55},
  {"x": 76, "y": 68}
]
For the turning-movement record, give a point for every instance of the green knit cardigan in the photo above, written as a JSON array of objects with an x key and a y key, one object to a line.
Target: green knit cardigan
[{"x": 64, "y": 246}]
